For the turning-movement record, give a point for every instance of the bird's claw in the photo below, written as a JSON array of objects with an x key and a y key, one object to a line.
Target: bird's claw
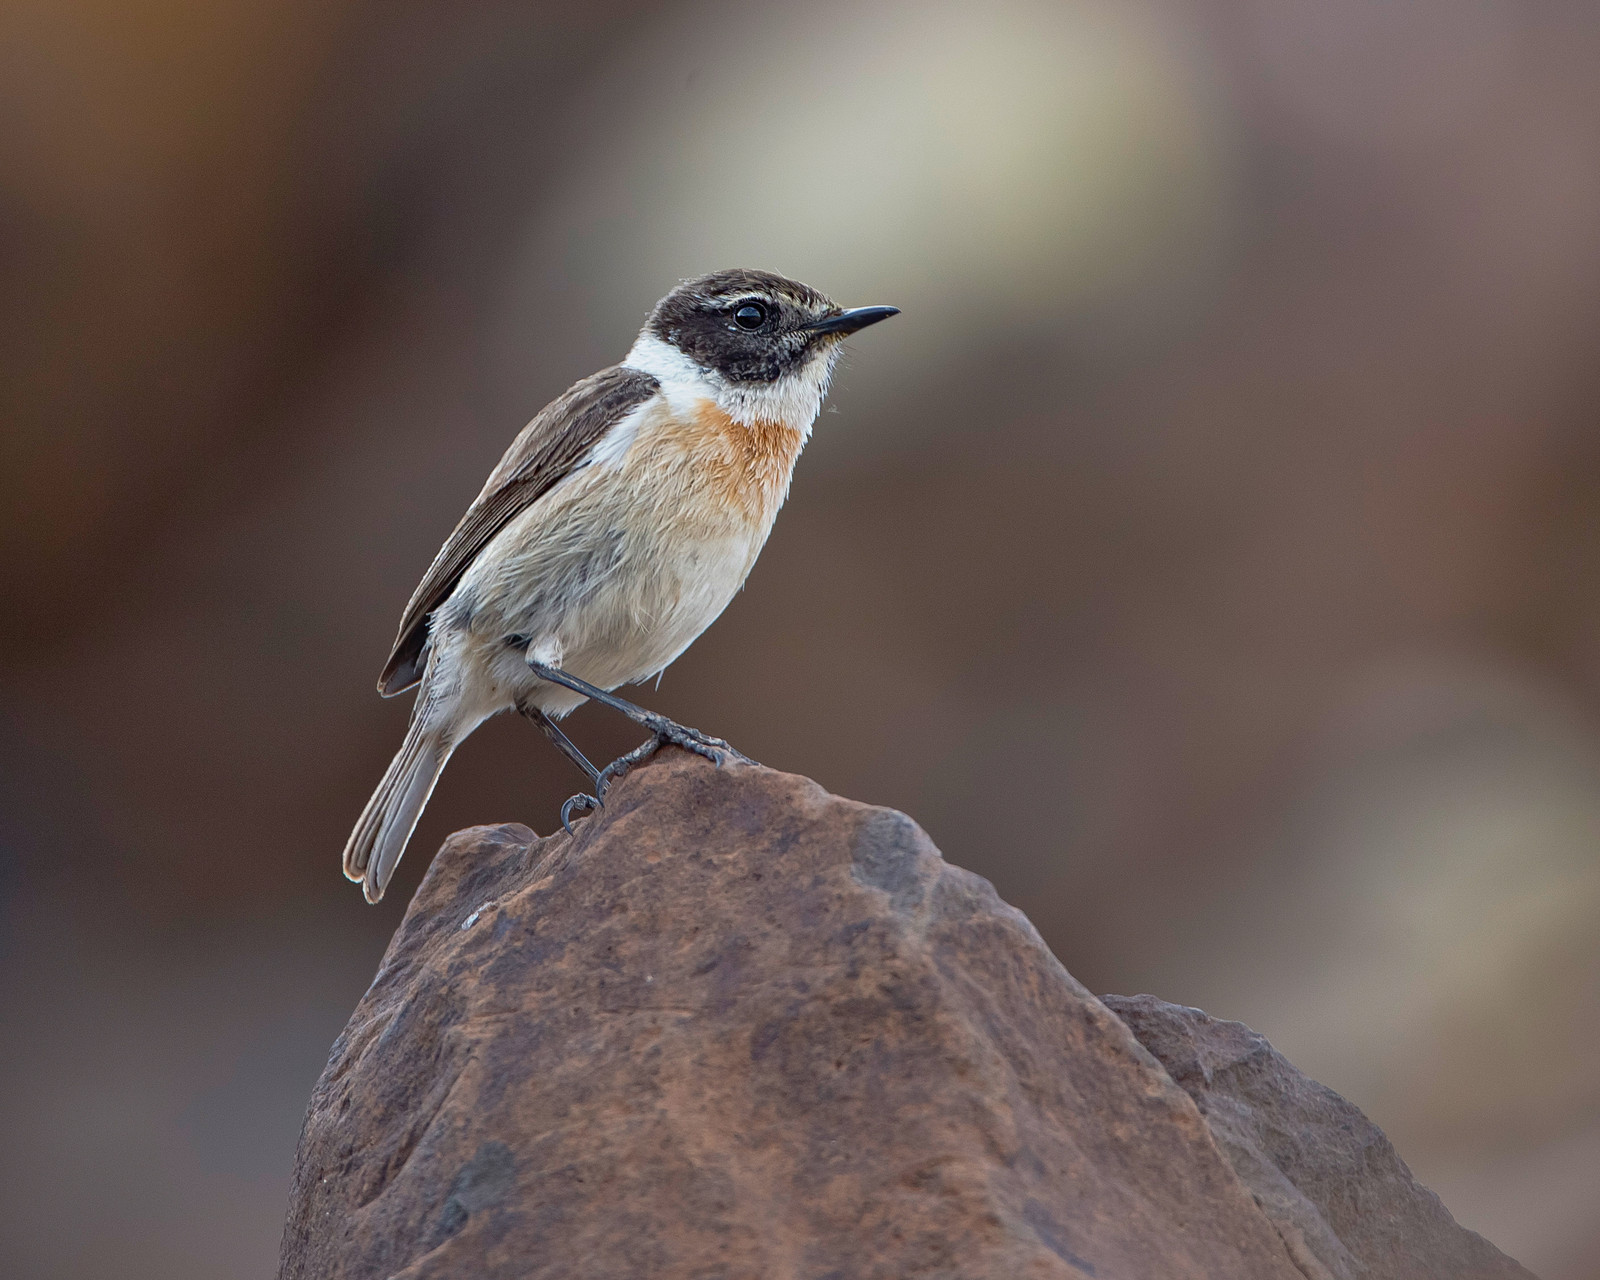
[
  {"x": 623, "y": 763},
  {"x": 715, "y": 750},
  {"x": 662, "y": 732},
  {"x": 612, "y": 772},
  {"x": 583, "y": 803}
]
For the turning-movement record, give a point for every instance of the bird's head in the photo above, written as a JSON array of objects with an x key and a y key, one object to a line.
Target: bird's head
[{"x": 762, "y": 341}]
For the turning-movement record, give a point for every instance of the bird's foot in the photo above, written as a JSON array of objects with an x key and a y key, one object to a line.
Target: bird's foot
[
  {"x": 663, "y": 732},
  {"x": 581, "y": 802},
  {"x": 681, "y": 735}
]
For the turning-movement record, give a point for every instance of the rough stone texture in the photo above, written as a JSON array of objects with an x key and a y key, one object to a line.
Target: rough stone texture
[
  {"x": 1342, "y": 1199},
  {"x": 739, "y": 1028}
]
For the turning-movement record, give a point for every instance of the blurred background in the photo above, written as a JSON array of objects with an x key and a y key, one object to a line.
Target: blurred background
[{"x": 1210, "y": 555}]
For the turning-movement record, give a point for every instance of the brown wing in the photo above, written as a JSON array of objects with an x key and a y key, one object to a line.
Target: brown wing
[{"x": 547, "y": 449}]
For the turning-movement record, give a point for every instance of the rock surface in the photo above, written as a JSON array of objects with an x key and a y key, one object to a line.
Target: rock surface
[
  {"x": 737, "y": 1027},
  {"x": 1337, "y": 1191}
]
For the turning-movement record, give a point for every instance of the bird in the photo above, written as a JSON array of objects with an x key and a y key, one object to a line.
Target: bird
[{"x": 617, "y": 527}]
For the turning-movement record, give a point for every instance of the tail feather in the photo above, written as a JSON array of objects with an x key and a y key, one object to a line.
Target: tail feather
[{"x": 391, "y": 815}]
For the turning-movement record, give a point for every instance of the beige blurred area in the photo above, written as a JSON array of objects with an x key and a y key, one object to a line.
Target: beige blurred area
[{"x": 1209, "y": 555}]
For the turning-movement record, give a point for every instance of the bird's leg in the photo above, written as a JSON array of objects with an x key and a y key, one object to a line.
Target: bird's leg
[
  {"x": 581, "y": 802},
  {"x": 662, "y": 730},
  {"x": 568, "y": 748}
]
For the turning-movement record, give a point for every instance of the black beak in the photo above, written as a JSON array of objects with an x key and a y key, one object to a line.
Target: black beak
[{"x": 852, "y": 321}]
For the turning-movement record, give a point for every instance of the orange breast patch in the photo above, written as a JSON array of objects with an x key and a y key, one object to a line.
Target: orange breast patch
[{"x": 742, "y": 465}]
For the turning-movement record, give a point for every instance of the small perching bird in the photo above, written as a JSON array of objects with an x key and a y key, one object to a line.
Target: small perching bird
[{"x": 618, "y": 526}]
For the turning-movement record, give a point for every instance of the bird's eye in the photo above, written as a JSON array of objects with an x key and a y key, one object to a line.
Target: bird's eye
[{"x": 750, "y": 316}]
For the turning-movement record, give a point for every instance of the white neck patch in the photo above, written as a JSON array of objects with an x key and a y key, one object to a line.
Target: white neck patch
[{"x": 794, "y": 400}]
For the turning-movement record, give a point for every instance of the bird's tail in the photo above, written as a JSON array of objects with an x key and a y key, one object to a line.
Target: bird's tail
[{"x": 391, "y": 815}]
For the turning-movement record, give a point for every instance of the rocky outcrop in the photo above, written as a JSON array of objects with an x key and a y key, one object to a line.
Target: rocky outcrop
[
  {"x": 1341, "y": 1198},
  {"x": 737, "y": 1027}
]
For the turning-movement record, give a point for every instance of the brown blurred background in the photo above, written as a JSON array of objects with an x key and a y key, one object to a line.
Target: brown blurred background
[{"x": 1210, "y": 555}]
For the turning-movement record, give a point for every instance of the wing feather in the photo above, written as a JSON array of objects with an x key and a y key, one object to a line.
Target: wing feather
[{"x": 548, "y": 449}]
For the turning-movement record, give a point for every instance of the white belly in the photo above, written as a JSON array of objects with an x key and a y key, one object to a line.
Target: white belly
[
  {"x": 655, "y": 605},
  {"x": 610, "y": 576}
]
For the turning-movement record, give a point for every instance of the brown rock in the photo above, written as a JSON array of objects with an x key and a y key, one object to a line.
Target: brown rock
[
  {"x": 737, "y": 1027},
  {"x": 1338, "y": 1192}
]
